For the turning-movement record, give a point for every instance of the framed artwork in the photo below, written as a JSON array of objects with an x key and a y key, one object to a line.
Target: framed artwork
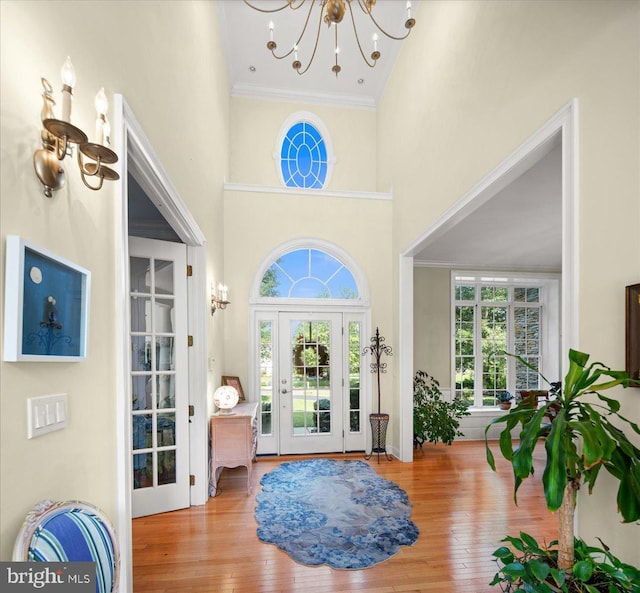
[
  {"x": 633, "y": 332},
  {"x": 46, "y": 305},
  {"x": 234, "y": 382}
]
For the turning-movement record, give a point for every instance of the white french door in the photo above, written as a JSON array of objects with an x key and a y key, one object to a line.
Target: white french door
[
  {"x": 310, "y": 383},
  {"x": 159, "y": 379}
]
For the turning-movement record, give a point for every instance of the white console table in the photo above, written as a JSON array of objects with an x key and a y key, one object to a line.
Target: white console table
[{"x": 234, "y": 438}]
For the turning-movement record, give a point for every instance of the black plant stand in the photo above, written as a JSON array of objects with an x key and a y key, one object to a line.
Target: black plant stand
[{"x": 379, "y": 422}]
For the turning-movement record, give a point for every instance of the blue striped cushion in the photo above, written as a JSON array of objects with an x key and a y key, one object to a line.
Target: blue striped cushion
[{"x": 74, "y": 535}]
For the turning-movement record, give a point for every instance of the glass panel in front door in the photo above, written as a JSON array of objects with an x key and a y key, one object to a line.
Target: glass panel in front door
[{"x": 310, "y": 377}]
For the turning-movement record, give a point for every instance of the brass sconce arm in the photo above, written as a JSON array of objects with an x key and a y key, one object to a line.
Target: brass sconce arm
[
  {"x": 217, "y": 303},
  {"x": 101, "y": 154},
  {"x": 58, "y": 136},
  {"x": 220, "y": 302}
]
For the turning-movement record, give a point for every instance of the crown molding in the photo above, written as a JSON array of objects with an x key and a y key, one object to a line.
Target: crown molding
[
  {"x": 290, "y": 191},
  {"x": 422, "y": 263},
  {"x": 252, "y": 91}
]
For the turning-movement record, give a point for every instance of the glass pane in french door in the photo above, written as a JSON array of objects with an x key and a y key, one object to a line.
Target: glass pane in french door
[
  {"x": 152, "y": 372},
  {"x": 311, "y": 377},
  {"x": 159, "y": 376}
]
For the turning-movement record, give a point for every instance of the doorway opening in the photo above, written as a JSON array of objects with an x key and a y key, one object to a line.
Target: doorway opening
[
  {"x": 148, "y": 439},
  {"x": 560, "y": 130}
]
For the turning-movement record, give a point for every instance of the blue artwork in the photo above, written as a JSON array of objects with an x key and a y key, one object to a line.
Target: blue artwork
[{"x": 52, "y": 312}]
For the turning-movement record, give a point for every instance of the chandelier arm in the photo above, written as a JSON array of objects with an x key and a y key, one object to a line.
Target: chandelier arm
[
  {"x": 315, "y": 47},
  {"x": 363, "y": 7},
  {"x": 380, "y": 28},
  {"x": 335, "y": 43},
  {"x": 287, "y": 4},
  {"x": 306, "y": 22},
  {"x": 355, "y": 32}
]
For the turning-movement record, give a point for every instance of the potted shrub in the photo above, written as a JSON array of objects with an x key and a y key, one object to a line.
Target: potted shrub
[
  {"x": 504, "y": 400},
  {"x": 434, "y": 419},
  {"x": 595, "y": 422}
]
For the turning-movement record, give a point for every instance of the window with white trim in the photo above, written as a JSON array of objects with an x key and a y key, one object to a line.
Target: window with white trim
[
  {"x": 304, "y": 152},
  {"x": 493, "y": 316}
]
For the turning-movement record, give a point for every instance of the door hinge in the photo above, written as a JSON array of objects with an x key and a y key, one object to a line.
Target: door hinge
[
  {"x": 192, "y": 411},
  {"x": 189, "y": 341},
  {"x": 192, "y": 480},
  {"x": 189, "y": 270}
]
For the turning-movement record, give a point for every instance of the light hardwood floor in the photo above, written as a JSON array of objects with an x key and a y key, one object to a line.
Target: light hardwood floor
[{"x": 461, "y": 507}]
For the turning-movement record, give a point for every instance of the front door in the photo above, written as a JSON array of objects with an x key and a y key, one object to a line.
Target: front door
[
  {"x": 159, "y": 381},
  {"x": 311, "y": 383}
]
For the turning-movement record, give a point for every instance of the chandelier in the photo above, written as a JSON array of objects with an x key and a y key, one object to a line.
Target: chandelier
[{"x": 332, "y": 13}]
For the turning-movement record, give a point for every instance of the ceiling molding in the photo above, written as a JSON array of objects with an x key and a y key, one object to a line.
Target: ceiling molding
[
  {"x": 253, "y": 91},
  {"x": 322, "y": 193},
  {"x": 421, "y": 263}
]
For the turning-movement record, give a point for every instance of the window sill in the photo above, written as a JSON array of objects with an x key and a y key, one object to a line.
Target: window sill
[{"x": 487, "y": 411}]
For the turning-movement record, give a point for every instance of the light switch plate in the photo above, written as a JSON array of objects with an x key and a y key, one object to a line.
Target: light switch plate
[{"x": 46, "y": 414}]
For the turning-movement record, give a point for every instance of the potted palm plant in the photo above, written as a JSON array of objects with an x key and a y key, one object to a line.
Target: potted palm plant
[{"x": 582, "y": 437}]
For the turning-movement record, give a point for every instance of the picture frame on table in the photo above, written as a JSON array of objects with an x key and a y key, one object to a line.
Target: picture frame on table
[
  {"x": 632, "y": 315},
  {"x": 234, "y": 382},
  {"x": 46, "y": 310}
]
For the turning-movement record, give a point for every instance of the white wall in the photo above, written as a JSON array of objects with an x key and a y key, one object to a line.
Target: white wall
[
  {"x": 479, "y": 79},
  {"x": 178, "y": 92}
]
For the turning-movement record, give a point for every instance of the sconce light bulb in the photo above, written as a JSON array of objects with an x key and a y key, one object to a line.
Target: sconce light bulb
[
  {"x": 101, "y": 102},
  {"x": 68, "y": 73}
]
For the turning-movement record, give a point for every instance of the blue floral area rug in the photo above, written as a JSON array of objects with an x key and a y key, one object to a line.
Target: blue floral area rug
[{"x": 339, "y": 513}]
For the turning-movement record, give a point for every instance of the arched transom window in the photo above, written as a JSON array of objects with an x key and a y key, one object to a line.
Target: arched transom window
[{"x": 308, "y": 274}]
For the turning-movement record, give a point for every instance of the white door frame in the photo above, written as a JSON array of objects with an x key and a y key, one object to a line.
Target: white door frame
[
  {"x": 139, "y": 158},
  {"x": 565, "y": 123},
  {"x": 262, "y": 309}
]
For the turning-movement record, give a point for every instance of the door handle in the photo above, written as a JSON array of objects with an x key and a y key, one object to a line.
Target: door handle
[{"x": 284, "y": 390}]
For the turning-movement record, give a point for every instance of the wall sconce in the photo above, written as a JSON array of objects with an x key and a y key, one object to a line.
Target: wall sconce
[
  {"x": 58, "y": 136},
  {"x": 219, "y": 302}
]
